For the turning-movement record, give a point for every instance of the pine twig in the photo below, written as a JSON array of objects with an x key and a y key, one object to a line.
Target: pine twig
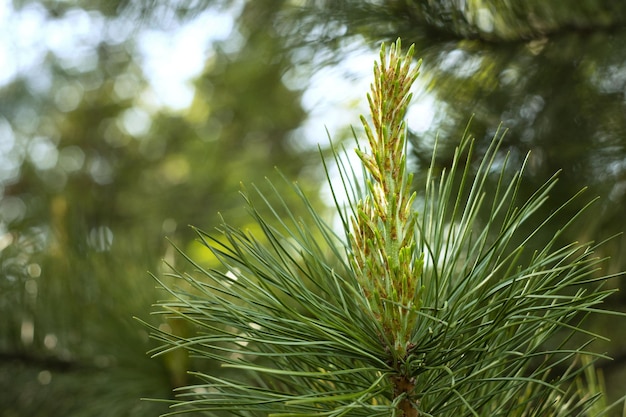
[{"x": 383, "y": 239}]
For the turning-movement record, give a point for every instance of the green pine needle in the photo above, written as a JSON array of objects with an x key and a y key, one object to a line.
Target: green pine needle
[{"x": 444, "y": 313}]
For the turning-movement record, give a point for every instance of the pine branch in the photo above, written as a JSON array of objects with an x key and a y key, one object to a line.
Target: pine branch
[
  {"x": 385, "y": 259},
  {"x": 442, "y": 314},
  {"x": 45, "y": 361}
]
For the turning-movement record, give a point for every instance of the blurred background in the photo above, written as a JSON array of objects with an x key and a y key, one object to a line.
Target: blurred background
[{"x": 124, "y": 121}]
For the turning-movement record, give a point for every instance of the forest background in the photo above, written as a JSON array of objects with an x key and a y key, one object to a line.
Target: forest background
[{"x": 106, "y": 150}]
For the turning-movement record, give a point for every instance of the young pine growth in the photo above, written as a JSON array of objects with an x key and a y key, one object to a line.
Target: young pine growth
[
  {"x": 384, "y": 256},
  {"x": 442, "y": 314}
]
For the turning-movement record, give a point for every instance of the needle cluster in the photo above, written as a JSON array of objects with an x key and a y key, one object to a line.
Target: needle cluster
[{"x": 452, "y": 313}]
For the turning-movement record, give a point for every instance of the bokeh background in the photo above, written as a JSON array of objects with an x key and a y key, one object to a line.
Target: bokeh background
[{"x": 124, "y": 121}]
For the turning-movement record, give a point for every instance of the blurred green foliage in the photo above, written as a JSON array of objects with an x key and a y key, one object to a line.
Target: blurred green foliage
[
  {"x": 94, "y": 175},
  {"x": 95, "y": 178}
]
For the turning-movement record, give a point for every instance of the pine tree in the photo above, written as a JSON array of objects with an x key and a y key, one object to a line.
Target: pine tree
[{"x": 415, "y": 308}]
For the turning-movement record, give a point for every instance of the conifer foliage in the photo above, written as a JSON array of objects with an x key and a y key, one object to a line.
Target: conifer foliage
[{"x": 416, "y": 308}]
